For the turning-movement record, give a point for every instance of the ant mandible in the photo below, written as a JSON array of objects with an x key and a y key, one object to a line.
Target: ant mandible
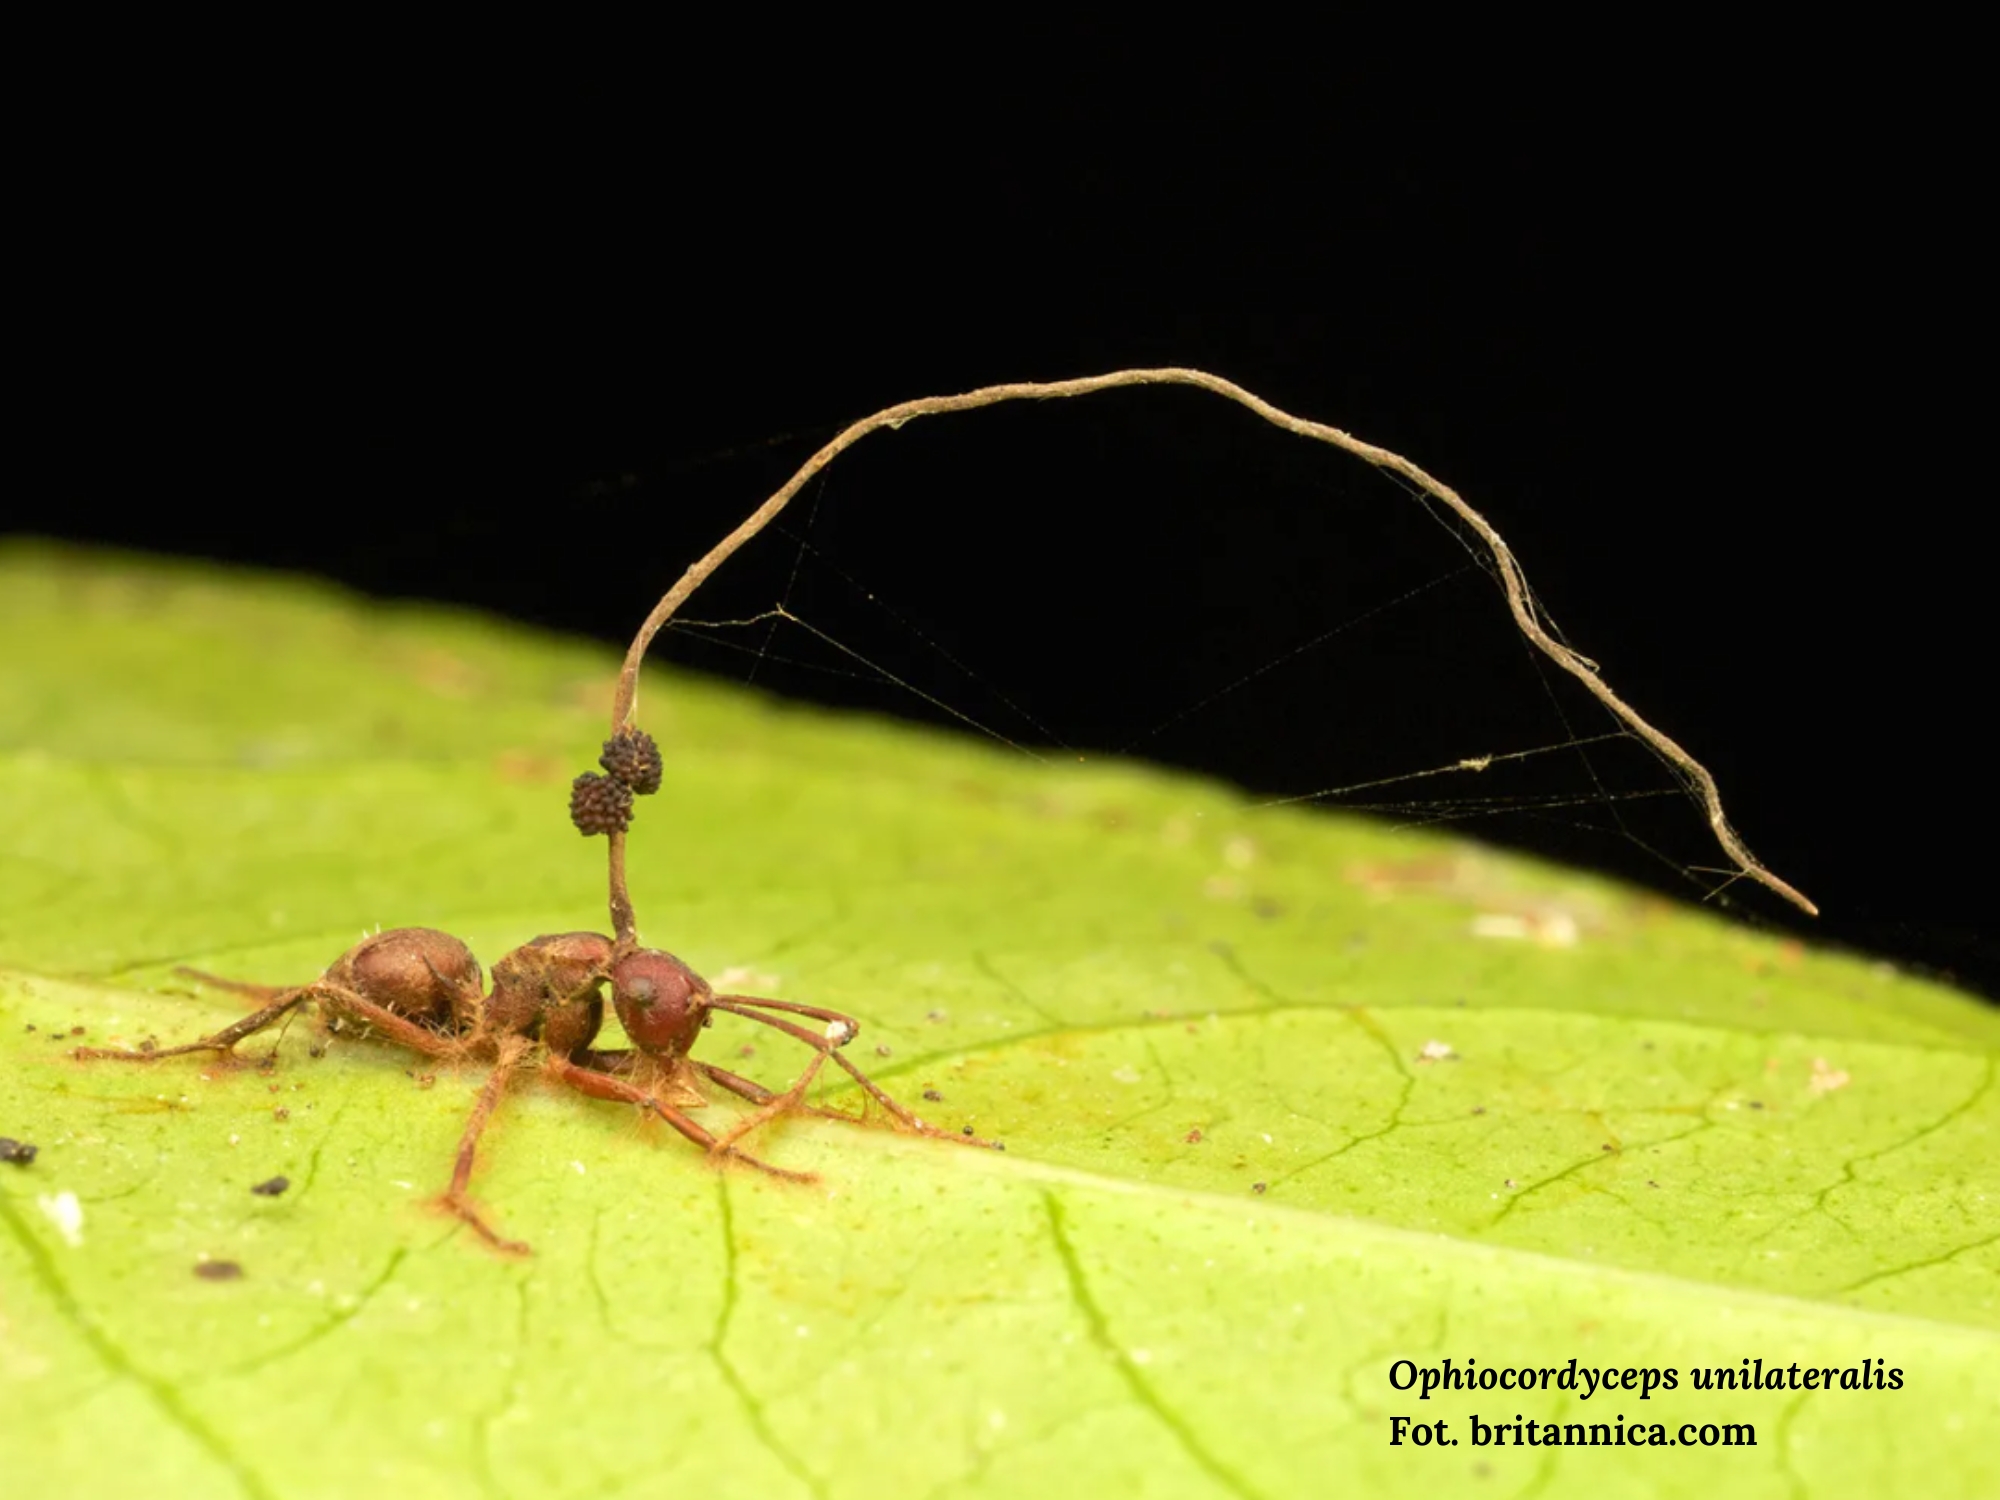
[{"x": 420, "y": 989}]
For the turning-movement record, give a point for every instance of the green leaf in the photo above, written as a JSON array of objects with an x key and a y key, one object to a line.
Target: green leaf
[{"x": 1634, "y": 1135}]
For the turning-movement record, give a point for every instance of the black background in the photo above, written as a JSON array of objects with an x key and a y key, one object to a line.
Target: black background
[{"x": 1705, "y": 356}]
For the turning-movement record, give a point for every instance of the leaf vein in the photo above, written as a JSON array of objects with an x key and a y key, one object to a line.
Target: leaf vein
[
  {"x": 1140, "y": 1387},
  {"x": 160, "y": 1391}
]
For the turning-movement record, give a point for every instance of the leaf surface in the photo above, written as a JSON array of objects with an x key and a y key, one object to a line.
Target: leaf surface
[{"x": 1283, "y": 1103}]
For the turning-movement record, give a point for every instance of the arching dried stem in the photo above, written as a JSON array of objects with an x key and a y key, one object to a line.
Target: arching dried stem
[{"x": 1520, "y": 600}]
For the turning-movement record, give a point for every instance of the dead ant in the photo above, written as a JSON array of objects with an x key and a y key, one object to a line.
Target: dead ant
[{"x": 420, "y": 988}]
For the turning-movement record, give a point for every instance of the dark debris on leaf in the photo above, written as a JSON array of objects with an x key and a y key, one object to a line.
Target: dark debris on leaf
[
  {"x": 218, "y": 1270},
  {"x": 272, "y": 1187},
  {"x": 20, "y": 1153}
]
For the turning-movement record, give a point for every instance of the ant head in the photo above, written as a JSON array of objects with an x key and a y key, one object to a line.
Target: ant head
[
  {"x": 661, "y": 1002},
  {"x": 419, "y": 972},
  {"x": 551, "y": 988}
]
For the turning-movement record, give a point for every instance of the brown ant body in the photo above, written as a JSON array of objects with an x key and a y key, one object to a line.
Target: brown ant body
[{"x": 420, "y": 988}]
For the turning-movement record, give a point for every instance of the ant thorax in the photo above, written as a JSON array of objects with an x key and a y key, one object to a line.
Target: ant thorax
[{"x": 551, "y": 990}]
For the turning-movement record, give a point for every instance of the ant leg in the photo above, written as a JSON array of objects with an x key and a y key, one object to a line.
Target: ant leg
[
  {"x": 342, "y": 1002},
  {"x": 603, "y": 1086},
  {"x": 377, "y": 1020},
  {"x": 736, "y": 1083},
  {"x": 840, "y": 1030},
  {"x": 828, "y": 1047},
  {"x": 624, "y": 1059},
  {"x": 772, "y": 1105},
  {"x": 221, "y": 1041},
  {"x": 238, "y": 986},
  {"x": 482, "y": 1111},
  {"x": 756, "y": 1093}
]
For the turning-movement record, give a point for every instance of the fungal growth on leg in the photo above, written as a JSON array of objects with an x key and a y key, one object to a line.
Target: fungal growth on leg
[{"x": 422, "y": 990}]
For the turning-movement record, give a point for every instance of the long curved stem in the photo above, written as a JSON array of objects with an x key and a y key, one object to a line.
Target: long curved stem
[{"x": 1520, "y": 599}]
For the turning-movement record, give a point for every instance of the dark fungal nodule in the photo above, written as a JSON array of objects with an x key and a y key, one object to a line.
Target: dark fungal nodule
[
  {"x": 633, "y": 757},
  {"x": 599, "y": 804}
]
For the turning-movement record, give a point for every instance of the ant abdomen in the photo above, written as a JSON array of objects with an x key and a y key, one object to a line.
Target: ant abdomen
[
  {"x": 419, "y": 973},
  {"x": 661, "y": 1002},
  {"x": 551, "y": 989}
]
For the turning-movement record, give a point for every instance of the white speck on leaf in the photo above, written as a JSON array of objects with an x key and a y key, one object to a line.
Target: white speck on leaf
[
  {"x": 1826, "y": 1077},
  {"x": 1551, "y": 929},
  {"x": 1557, "y": 929},
  {"x": 66, "y": 1214}
]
